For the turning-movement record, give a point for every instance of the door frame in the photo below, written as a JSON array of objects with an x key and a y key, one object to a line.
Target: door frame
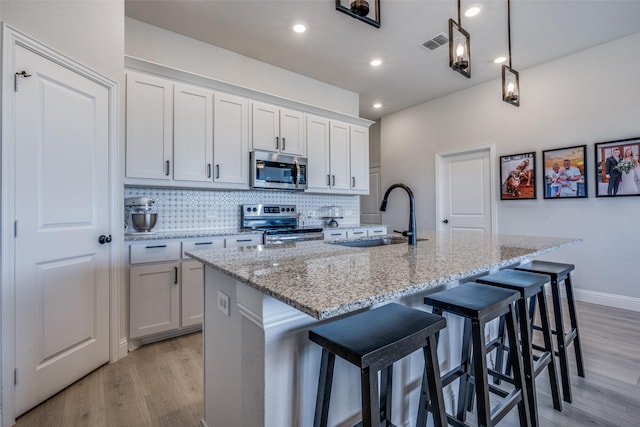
[
  {"x": 439, "y": 168},
  {"x": 10, "y": 39}
]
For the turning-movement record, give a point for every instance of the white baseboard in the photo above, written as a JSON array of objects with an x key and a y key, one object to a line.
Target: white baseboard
[
  {"x": 609, "y": 300},
  {"x": 123, "y": 348}
]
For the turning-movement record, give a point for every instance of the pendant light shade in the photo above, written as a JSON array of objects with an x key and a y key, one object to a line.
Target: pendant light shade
[
  {"x": 459, "y": 47},
  {"x": 510, "y": 77}
]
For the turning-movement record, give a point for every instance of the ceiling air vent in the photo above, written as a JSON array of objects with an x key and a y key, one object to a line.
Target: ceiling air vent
[{"x": 436, "y": 42}]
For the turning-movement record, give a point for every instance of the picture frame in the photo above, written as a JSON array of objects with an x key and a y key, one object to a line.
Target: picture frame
[
  {"x": 621, "y": 177},
  {"x": 565, "y": 173},
  {"x": 517, "y": 176}
]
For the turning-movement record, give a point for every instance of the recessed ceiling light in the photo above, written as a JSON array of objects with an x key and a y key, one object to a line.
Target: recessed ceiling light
[
  {"x": 299, "y": 28},
  {"x": 377, "y": 105},
  {"x": 376, "y": 62},
  {"x": 472, "y": 11},
  {"x": 500, "y": 59}
]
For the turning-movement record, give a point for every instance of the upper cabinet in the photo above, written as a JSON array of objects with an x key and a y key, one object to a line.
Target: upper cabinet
[
  {"x": 149, "y": 152},
  {"x": 338, "y": 157},
  {"x": 277, "y": 129},
  {"x": 185, "y": 135}
]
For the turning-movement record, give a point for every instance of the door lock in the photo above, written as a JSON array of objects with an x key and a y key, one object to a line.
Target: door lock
[
  {"x": 104, "y": 239},
  {"x": 446, "y": 221}
]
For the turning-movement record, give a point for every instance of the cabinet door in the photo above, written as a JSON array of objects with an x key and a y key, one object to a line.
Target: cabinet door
[
  {"x": 192, "y": 133},
  {"x": 192, "y": 293},
  {"x": 265, "y": 123},
  {"x": 339, "y": 155},
  {"x": 149, "y": 128},
  {"x": 359, "y": 156},
  {"x": 292, "y": 132},
  {"x": 231, "y": 140},
  {"x": 318, "y": 172},
  {"x": 154, "y": 299}
]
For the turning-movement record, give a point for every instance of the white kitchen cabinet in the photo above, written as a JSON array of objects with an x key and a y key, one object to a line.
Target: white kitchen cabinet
[
  {"x": 154, "y": 296},
  {"x": 192, "y": 133},
  {"x": 338, "y": 157},
  {"x": 277, "y": 129},
  {"x": 334, "y": 234},
  {"x": 192, "y": 293},
  {"x": 242, "y": 240},
  {"x": 377, "y": 231},
  {"x": 230, "y": 141},
  {"x": 357, "y": 232},
  {"x": 149, "y": 127},
  {"x": 359, "y": 159}
]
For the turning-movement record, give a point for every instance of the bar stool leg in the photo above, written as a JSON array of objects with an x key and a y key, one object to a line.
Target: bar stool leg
[
  {"x": 431, "y": 381},
  {"x": 370, "y": 403},
  {"x": 325, "y": 381},
  {"x": 562, "y": 349},
  {"x": 546, "y": 334},
  {"x": 481, "y": 377},
  {"x": 465, "y": 362},
  {"x": 386, "y": 384},
  {"x": 500, "y": 351},
  {"x": 518, "y": 378},
  {"x": 574, "y": 325}
]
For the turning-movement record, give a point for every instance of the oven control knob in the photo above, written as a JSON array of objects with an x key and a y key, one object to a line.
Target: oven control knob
[
  {"x": 255, "y": 209},
  {"x": 293, "y": 209}
]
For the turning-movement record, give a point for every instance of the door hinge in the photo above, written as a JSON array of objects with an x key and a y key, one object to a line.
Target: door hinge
[{"x": 17, "y": 79}]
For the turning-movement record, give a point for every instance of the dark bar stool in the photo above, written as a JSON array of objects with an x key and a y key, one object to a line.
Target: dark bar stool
[
  {"x": 561, "y": 273},
  {"x": 479, "y": 304},
  {"x": 373, "y": 341},
  {"x": 529, "y": 285}
]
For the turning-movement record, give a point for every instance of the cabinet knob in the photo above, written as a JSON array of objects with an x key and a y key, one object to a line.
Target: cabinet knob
[{"x": 104, "y": 239}]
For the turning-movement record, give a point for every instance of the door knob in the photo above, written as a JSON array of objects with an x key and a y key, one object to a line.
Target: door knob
[
  {"x": 104, "y": 239},
  {"x": 446, "y": 221}
]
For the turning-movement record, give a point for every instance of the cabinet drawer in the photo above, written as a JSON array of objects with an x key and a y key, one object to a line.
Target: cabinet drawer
[
  {"x": 337, "y": 234},
  {"x": 154, "y": 252},
  {"x": 207, "y": 243},
  {"x": 357, "y": 232},
  {"x": 243, "y": 240},
  {"x": 378, "y": 231}
]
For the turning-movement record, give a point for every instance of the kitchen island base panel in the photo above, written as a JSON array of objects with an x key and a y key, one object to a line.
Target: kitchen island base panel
[{"x": 261, "y": 369}]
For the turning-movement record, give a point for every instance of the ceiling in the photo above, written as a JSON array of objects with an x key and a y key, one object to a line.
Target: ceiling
[{"x": 337, "y": 49}]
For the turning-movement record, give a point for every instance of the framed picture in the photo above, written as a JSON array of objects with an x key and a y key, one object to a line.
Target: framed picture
[
  {"x": 517, "y": 177},
  {"x": 617, "y": 171},
  {"x": 565, "y": 172}
]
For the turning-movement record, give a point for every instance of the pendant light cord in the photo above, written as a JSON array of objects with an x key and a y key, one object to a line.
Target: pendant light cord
[
  {"x": 459, "y": 18},
  {"x": 508, "y": 27}
]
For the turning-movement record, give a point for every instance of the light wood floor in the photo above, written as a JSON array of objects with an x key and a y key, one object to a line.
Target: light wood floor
[{"x": 161, "y": 384}]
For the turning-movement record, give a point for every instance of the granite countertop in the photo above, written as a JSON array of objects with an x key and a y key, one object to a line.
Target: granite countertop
[
  {"x": 184, "y": 234},
  {"x": 325, "y": 280}
]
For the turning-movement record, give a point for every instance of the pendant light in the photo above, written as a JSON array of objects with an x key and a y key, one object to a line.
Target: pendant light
[
  {"x": 510, "y": 77},
  {"x": 459, "y": 47}
]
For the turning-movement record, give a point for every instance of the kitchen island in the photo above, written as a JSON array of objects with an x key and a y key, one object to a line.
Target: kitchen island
[{"x": 260, "y": 301}]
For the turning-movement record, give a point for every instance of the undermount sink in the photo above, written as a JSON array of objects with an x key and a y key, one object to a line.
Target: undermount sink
[{"x": 367, "y": 243}]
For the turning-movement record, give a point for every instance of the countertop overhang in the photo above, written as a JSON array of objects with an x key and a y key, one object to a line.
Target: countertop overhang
[{"x": 326, "y": 280}]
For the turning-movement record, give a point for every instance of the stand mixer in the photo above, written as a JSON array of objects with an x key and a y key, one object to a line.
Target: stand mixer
[{"x": 141, "y": 215}]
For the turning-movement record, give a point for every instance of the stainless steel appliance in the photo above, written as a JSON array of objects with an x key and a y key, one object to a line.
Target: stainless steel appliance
[
  {"x": 141, "y": 215},
  {"x": 278, "y": 171},
  {"x": 279, "y": 223}
]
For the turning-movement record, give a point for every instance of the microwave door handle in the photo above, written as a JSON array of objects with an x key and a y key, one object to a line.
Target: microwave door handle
[{"x": 296, "y": 173}]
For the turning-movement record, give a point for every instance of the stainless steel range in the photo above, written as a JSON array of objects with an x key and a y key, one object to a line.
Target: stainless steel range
[{"x": 279, "y": 224}]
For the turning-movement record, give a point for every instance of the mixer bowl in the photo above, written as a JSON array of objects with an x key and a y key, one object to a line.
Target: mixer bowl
[{"x": 144, "y": 221}]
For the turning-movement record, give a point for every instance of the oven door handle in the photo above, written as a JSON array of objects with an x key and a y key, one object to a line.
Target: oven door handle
[{"x": 293, "y": 238}]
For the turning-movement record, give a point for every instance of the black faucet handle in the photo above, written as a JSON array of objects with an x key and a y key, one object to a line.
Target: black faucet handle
[{"x": 405, "y": 233}]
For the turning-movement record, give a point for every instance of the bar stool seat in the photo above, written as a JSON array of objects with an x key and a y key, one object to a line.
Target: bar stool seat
[
  {"x": 559, "y": 272},
  {"x": 373, "y": 340},
  {"x": 529, "y": 285},
  {"x": 479, "y": 304}
]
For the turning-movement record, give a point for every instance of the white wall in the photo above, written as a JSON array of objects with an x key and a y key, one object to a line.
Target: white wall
[
  {"x": 174, "y": 50},
  {"x": 591, "y": 96}
]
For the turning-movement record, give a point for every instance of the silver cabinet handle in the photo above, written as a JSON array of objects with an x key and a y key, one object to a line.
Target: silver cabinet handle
[
  {"x": 217, "y": 171},
  {"x": 283, "y": 142},
  {"x": 168, "y": 168},
  {"x": 208, "y": 170}
]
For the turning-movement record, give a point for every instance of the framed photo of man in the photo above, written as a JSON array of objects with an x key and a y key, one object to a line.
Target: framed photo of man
[
  {"x": 517, "y": 177},
  {"x": 565, "y": 172},
  {"x": 617, "y": 172}
]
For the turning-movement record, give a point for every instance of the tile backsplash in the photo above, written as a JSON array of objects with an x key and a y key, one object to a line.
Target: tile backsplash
[{"x": 189, "y": 209}]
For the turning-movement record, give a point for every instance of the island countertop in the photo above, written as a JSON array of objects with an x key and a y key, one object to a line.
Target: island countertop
[{"x": 325, "y": 279}]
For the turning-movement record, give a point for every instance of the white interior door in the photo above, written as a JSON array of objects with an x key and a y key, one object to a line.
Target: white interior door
[
  {"x": 61, "y": 207},
  {"x": 464, "y": 197},
  {"x": 370, "y": 204}
]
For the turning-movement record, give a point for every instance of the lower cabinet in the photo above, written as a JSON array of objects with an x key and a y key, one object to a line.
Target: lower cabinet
[
  {"x": 349, "y": 233},
  {"x": 166, "y": 286}
]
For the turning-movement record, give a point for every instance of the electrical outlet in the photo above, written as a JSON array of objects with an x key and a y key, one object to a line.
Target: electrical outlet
[{"x": 223, "y": 302}]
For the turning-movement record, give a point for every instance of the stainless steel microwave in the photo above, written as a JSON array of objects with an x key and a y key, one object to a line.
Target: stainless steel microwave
[{"x": 278, "y": 171}]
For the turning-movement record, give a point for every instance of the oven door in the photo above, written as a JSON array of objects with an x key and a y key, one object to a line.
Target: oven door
[{"x": 278, "y": 171}]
